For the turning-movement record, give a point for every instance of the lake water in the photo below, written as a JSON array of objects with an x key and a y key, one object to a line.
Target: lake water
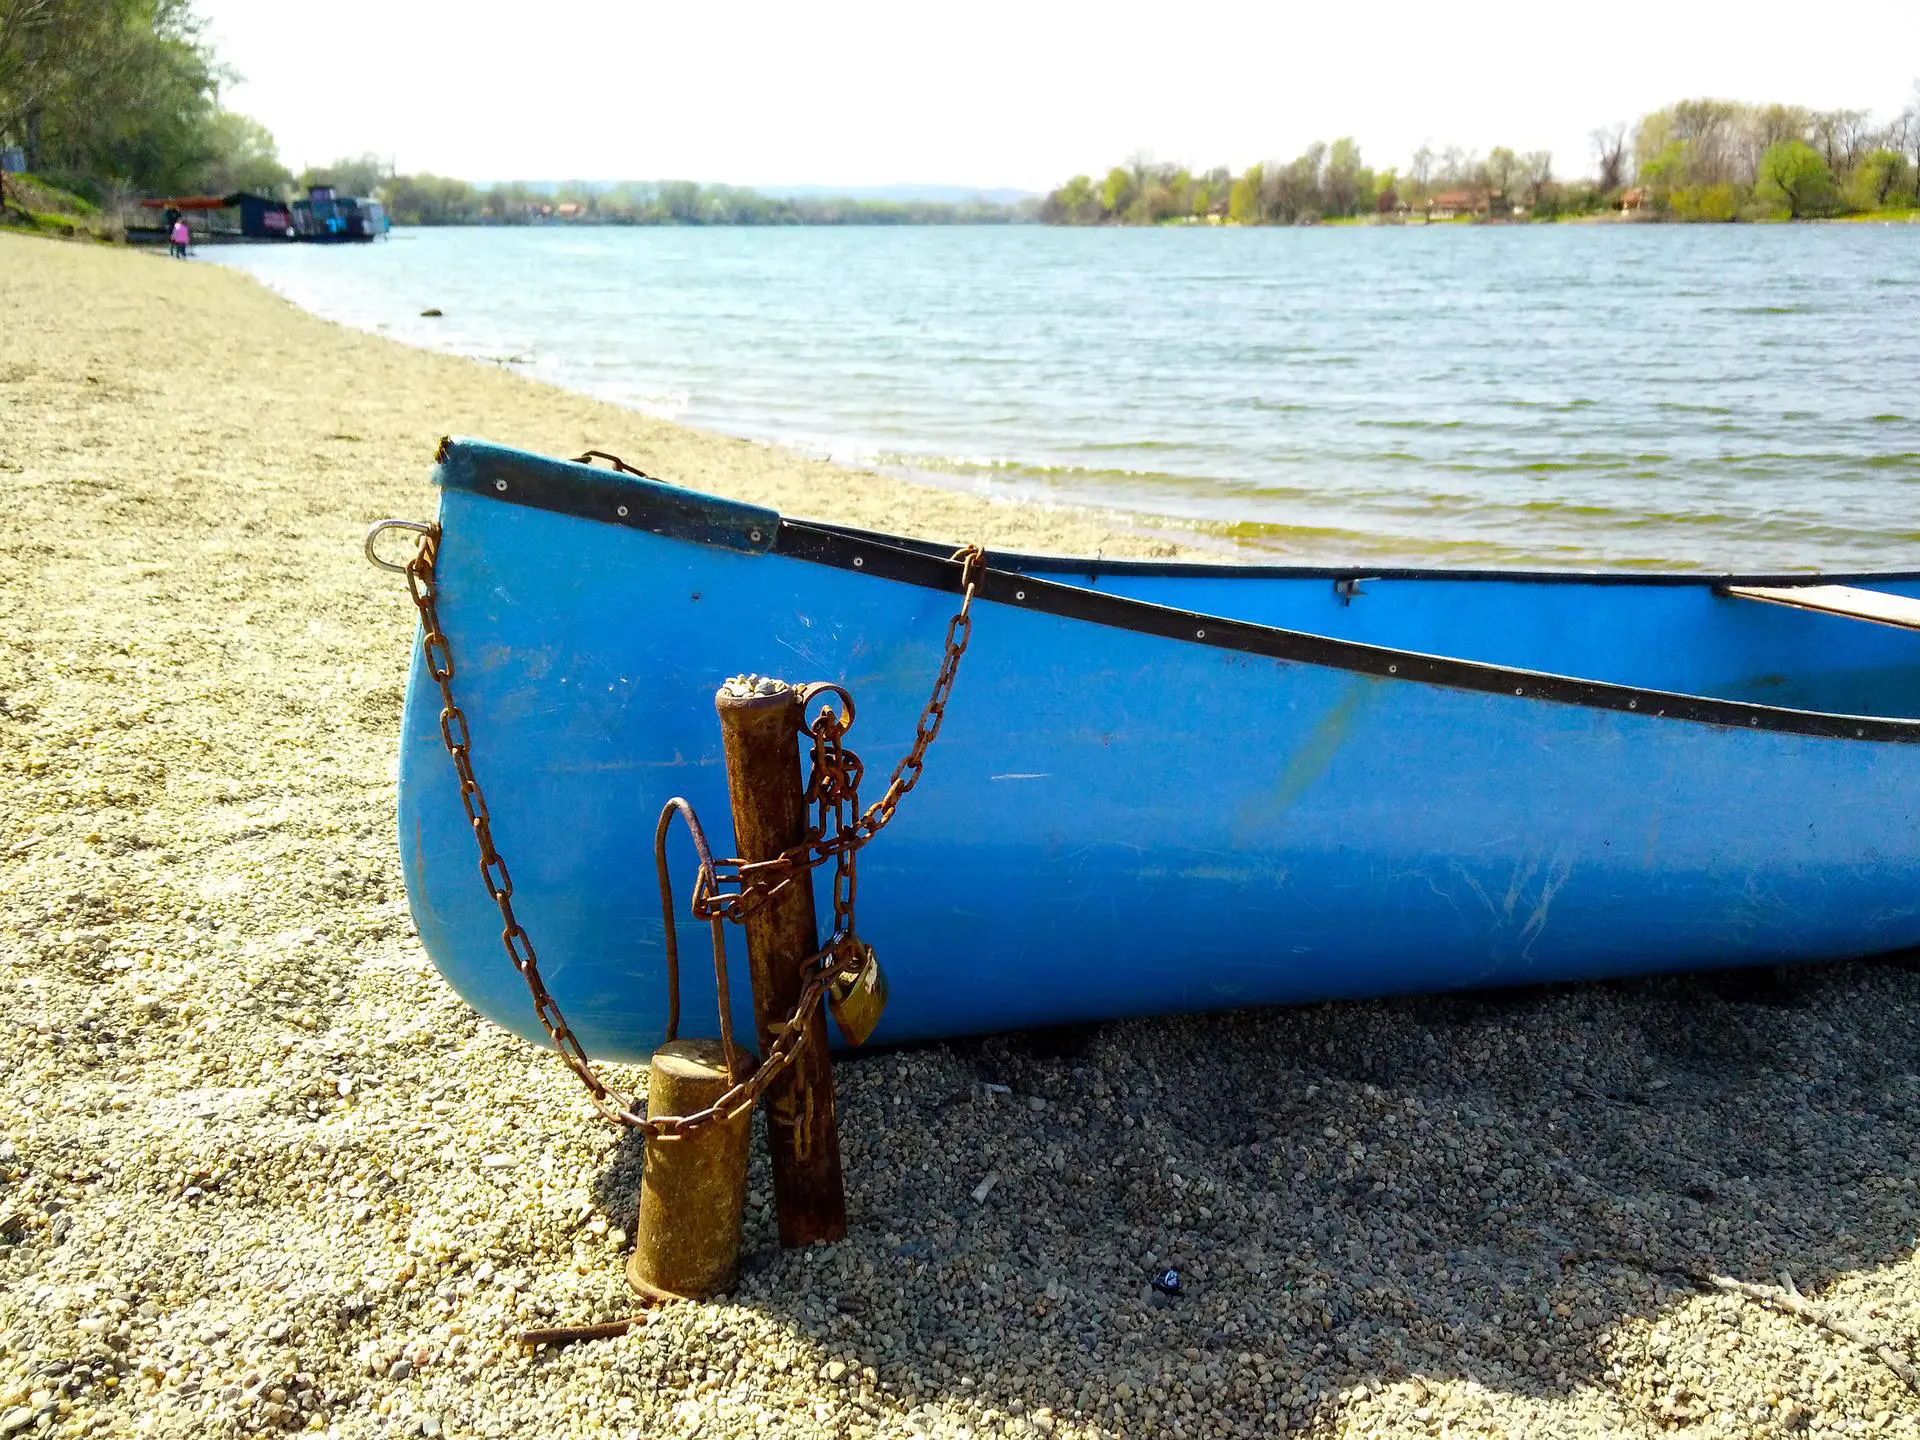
[{"x": 1606, "y": 395}]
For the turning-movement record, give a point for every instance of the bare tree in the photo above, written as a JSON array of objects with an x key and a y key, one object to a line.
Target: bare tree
[
  {"x": 1710, "y": 132},
  {"x": 1912, "y": 117},
  {"x": 1536, "y": 169},
  {"x": 1420, "y": 170},
  {"x": 1610, "y": 152},
  {"x": 1503, "y": 168},
  {"x": 1768, "y": 126},
  {"x": 1841, "y": 137}
]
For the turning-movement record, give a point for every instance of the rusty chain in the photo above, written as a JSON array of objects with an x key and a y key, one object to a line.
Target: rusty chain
[{"x": 832, "y": 791}]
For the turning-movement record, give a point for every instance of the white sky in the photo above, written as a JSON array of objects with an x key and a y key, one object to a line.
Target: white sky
[{"x": 1009, "y": 92}]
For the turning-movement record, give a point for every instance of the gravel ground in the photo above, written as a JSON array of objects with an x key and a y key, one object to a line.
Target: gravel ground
[{"x": 261, "y": 1171}]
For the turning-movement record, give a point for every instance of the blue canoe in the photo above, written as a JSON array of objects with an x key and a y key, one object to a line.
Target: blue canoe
[{"x": 1160, "y": 787}]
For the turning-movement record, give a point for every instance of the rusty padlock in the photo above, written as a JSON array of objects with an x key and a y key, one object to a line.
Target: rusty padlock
[{"x": 858, "y": 994}]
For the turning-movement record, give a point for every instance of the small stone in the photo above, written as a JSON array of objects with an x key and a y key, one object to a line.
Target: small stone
[
  {"x": 836, "y": 1371},
  {"x": 400, "y": 1370},
  {"x": 16, "y": 1420}
]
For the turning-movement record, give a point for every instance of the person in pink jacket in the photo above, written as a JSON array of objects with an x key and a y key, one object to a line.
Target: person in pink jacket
[{"x": 181, "y": 238}]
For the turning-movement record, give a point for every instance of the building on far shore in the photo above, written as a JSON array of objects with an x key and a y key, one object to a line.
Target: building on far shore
[{"x": 1450, "y": 204}]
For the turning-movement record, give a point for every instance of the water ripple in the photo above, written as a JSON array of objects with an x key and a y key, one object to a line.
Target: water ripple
[{"x": 1719, "y": 397}]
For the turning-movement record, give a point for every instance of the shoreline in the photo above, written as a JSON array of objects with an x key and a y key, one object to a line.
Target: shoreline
[
  {"x": 261, "y": 1172},
  {"x": 769, "y": 472}
]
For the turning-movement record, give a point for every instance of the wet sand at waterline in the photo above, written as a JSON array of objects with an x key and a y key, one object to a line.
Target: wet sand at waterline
[{"x": 260, "y": 1170}]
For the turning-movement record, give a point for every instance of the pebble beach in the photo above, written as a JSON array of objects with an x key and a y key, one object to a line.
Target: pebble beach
[{"x": 260, "y": 1170}]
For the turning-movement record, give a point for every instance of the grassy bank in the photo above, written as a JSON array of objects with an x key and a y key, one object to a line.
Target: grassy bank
[{"x": 31, "y": 206}]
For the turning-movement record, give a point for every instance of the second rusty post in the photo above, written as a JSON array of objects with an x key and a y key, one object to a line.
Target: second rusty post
[{"x": 760, "y": 724}]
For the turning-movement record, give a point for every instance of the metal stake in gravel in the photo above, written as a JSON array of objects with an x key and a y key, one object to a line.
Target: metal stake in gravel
[
  {"x": 692, "y": 1190},
  {"x": 760, "y": 727},
  {"x": 785, "y": 829}
]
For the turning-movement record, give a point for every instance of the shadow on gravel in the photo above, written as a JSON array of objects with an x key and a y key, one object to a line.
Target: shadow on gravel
[{"x": 1477, "y": 1186}]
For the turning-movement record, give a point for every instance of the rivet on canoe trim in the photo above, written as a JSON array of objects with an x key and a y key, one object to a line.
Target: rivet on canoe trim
[
  {"x": 858, "y": 562},
  {"x": 1519, "y": 690},
  {"x": 1393, "y": 669},
  {"x": 753, "y": 535},
  {"x": 1019, "y": 594},
  {"x": 1633, "y": 704},
  {"x": 500, "y": 485},
  {"x": 623, "y": 510},
  {"x": 1199, "y": 634}
]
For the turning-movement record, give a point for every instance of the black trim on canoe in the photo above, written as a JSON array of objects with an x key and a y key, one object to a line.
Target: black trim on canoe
[
  {"x": 1093, "y": 569},
  {"x": 828, "y": 545},
  {"x": 571, "y": 488},
  {"x": 568, "y": 487}
]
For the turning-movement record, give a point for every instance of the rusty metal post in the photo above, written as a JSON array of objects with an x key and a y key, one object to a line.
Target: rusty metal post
[
  {"x": 692, "y": 1190},
  {"x": 759, "y": 731}
]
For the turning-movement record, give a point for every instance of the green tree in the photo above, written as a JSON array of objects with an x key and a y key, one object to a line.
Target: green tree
[
  {"x": 679, "y": 201},
  {"x": 1794, "y": 177},
  {"x": 1074, "y": 203},
  {"x": 1768, "y": 126},
  {"x": 1717, "y": 202},
  {"x": 1386, "y": 192},
  {"x": 1243, "y": 201},
  {"x": 108, "y": 93},
  {"x": 1345, "y": 182},
  {"x": 1117, "y": 191},
  {"x": 1882, "y": 179},
  {"x": 350, "y": 175},
  {"x": 1503, "y": 173},
  {"x": 429, "y": 200},
  {"x": 244, "y": 157}
]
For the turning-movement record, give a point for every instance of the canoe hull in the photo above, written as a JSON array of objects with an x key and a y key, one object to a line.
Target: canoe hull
[{"x": 1112, "y": 822}]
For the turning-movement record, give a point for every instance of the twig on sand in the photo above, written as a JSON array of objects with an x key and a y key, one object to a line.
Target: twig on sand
[
  {"x": 1788, "y": 1299},
  {"x": 1796, "y": 1304},
  {"x": 568, "y": 1334}
]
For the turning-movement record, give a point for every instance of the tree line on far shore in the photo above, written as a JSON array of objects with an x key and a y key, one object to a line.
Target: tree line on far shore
[
  {"x": 441, "y": 200},
  {"x": 112, "y": 98},
  {"x": 1695, "y": 160},
  {"x": 109, "y": 99}
]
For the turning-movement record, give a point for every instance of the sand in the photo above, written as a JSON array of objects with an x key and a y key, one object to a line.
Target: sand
[{"x": 260, "y": 1170}]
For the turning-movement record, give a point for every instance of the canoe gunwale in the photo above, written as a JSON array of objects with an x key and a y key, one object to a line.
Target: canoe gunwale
[{"x": 571, "y": 488}]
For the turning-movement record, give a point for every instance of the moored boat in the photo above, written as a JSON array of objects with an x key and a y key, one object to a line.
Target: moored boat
[{"x": 1159, "y": 786}]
